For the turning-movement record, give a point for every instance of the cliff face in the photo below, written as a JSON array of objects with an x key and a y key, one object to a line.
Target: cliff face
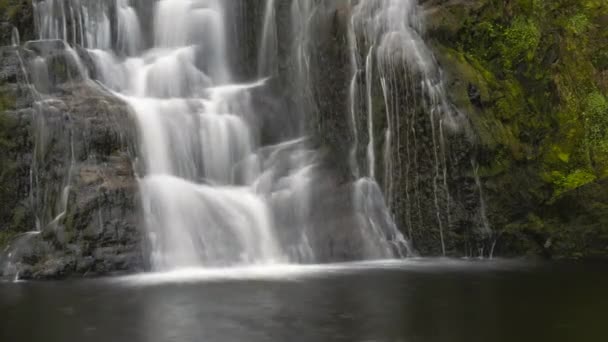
[
  {"x": 532, "y": 76},
  {"x": 15, "y": 141}
]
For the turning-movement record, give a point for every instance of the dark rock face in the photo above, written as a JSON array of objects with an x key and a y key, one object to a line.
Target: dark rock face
[
  {"x": 16, "y": 149},
  {"x": 330, "y": 73},
  {"x": 74, "y": 172},
  {"x": 99, "y": 227}
]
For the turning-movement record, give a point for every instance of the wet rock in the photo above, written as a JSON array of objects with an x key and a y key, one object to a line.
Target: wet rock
[
  {"x": 6, "y": 33},
  {"x": 474, "y": 95},
  {"x": 74, "y": 146}
]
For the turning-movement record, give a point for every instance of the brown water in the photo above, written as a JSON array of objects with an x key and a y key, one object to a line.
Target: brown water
[{"x": 424, "y": 300}]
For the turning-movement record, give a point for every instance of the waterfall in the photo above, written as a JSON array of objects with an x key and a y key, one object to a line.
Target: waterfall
[
  {"x": 213, "y": 193},
  {"x": 268, "y": 44},
  {"x": 371, "y": 154},
  {"x": 392, "y": 62}
]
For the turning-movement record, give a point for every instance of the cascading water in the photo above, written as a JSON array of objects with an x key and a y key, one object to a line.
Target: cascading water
[
  {"x": 268, "y": 42},
  {"x": 395, "y": 75},
  {"x": 195, "y": 129},
  {"x": 212, "y": 193}
]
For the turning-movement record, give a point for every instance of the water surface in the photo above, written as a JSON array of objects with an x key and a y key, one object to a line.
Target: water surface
[{"x": 420, "y": 300}]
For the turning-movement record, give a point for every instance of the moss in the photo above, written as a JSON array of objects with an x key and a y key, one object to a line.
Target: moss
[
  {"x": 578, "y": 24},
  {"x": 541, "y": 69},
  {"x": 596, "y": 121},
  {"x": 570, "y": 181},
  {"x": 12, "y": 9},
  {"x": 19, "y": 13},
  {"x": 519, "y": 42},
  {"x": 12, "y": 216},
  {"x": 6, "y": 236},
  {"x": 6, "y": 103}
]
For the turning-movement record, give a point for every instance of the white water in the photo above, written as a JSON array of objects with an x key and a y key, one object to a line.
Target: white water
[
  {"x": 369, "y": 75},
  {"x": 290, "y": 272},
  {"x": 211, "y": 194},
  {"x": 267, "y": 62},
  {"x": 196, "y": 127},
  {"x": 387, "y": 47}
]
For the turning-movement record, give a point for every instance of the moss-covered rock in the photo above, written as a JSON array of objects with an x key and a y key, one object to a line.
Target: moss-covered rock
[
  {"x": 15, "y": 151},
  {"x": 17, "y": 14},
  {"x": 531, "y": 74},
  {"x": 14, "y": 14}
]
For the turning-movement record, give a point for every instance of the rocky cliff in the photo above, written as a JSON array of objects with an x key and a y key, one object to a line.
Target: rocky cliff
[
  {"x": 67, "y": 188},
  {"x": 526, "y": 176}
]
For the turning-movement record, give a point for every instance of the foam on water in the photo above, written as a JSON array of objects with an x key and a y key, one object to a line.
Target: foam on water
[{"x": 293, "y": 272}]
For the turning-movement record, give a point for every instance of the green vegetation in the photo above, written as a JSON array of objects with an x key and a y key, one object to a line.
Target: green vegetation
[
  {"x": 18, "y": 13},
  {"x": 12, "y": 9},
  {"x": 541, "y": 69},
  {"x": 596, "y": 121},
  {"x": 6, "y": 237},
  {"x": 519, "y": 42},
  {"x": 6, "y": 103}
]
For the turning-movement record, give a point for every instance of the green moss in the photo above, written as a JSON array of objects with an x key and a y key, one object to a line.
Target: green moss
[
  {"x": 596, "y": 120},
  {"x": 19, "y": 13},
  {"x": 6, "y": 103},
  {"x": 12, "y": 218},
  {"x": 578, "y": 24},
  {"x": 541, "y": 68},
  {"x": 12, "y": 8},
  {"x": 519, "y": 42},
  {"x": 576, "y": 179},
  {"x": 6, "y": 236},
  {"x": 570, "y": 181}
]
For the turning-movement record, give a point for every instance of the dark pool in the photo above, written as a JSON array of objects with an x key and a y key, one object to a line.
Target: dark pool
[{"x": 422, "y": 300}]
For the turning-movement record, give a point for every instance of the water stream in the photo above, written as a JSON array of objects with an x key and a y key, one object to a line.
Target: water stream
[{"x": 399, "y": 88}]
